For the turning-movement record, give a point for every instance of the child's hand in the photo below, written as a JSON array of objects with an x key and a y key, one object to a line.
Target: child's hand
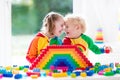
[{"x": 107, "y": 49}]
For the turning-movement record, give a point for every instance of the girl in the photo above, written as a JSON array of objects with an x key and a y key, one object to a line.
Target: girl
[{"x": 52, "y": 26}]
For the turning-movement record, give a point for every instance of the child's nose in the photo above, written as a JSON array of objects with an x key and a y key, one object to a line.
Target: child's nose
[{"x": 64, "y": 28}]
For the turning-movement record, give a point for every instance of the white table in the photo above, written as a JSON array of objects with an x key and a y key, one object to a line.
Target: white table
[{"x": 94, "y": 77}]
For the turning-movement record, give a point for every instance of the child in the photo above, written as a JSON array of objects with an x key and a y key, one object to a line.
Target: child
[
  {"x": 74, "y": 29},
  {"x": 52, "y": 26}
]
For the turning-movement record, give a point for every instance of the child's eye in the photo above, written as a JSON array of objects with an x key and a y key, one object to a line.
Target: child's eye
[{"x": 66, "y": 26}]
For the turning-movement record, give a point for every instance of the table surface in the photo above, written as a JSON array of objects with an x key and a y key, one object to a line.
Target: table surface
[
  {"x": 103, "y": 59},
  {"x": 94, "y": 77}
]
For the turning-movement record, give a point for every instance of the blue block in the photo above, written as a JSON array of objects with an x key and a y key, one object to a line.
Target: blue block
[
  {"x": 69, "y": 73},
  {"x": 44, "y": 74},
  {"x": 89, "y": 67},
  {"x": 112, "y": 65},
  {"x": 90, "y": 72},
  {"x": 102, "y": 50},
  {"x": 77, "y": 73},
  {"x": 7, "y": 75},
  {"x": 2, "y": 70},
  {"x": 26, "y": 66},
  {"x": 18, "y": 76},
  {"x": 62, "y": 61},
  {"x": 36, "y": 70}
]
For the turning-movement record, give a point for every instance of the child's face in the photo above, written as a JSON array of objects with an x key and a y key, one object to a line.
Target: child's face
[
  {"x": 59, "y": 24},
  {"x": 71, "y": 30}
]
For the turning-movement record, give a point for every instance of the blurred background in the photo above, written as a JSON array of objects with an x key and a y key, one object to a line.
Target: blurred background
[{"x": 27, "y": 16}]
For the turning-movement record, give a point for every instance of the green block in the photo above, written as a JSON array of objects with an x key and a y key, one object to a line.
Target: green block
[
  {"x": 21, "y": 67},
  {"x": 109, "y": 73}
]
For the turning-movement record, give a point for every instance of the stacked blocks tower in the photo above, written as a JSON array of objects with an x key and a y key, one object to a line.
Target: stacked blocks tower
[
  {"x": 119, "y": 33},
  {"x": 99, "y": 36},
  {"x": 61, "y": 56}
]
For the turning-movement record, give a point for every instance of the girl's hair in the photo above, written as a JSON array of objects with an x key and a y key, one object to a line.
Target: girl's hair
[
  {"x": 49, "y": 22},
  {"x": 76, "y": 20}
]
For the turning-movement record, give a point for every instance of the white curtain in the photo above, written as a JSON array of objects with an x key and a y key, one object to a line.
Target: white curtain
[
  {"x": 100, "y": 13},
  {"x": 5, "y": 32},
  {"x": 105, "y": 14}
]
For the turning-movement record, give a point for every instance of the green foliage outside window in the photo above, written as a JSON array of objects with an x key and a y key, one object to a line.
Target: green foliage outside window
[{"x": 27, "y": 19}]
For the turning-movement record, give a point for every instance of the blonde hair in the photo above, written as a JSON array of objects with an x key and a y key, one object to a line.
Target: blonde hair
[
  {"x": 49, "y": 22},
  {"x": 76, "y": 20}
]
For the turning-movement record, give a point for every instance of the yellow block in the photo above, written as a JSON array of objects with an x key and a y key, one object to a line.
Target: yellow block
[
  {"x": 15, "y": 71},
  {"x": 34, "y": 76},
  {"x": 83, "y": 74},
  {"x": 73, "y": 75},
  {"x": 107, "y": 69},
  {"x": 25, "y": 69},
  {"x": 56, "y": 75},
  {"x": 8, "y": 67},
  {"x": 47, "y": 71}
]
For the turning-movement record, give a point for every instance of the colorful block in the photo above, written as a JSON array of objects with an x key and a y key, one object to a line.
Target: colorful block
[
  {"x": 99, "y": 36},
  {"x": 61, "y": 55}
]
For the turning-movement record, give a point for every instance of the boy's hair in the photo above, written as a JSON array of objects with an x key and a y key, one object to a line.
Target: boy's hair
[
  {"x": 76, "y": 20},
  {"x": 49, "y": 22}
]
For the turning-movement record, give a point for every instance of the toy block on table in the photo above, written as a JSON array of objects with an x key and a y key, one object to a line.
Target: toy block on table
[{"x": 61, "y": 56}]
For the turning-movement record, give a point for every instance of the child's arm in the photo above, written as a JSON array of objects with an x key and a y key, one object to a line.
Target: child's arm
[
  {"x": 97, "y": 50},
  {"x": 91, "y": 45},
  {"x": 32, "y": 51}
]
